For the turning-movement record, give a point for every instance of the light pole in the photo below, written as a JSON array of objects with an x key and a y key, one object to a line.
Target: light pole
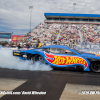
[
  {"x": 30, "y": 7},
  {"x": 74, "y": 6}
]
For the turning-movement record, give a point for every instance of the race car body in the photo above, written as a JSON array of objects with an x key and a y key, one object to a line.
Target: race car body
[{"x": 61, "y": 57}]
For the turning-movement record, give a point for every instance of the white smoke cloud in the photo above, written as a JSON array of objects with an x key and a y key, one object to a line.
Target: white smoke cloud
[{"x": 7, "y": 60}]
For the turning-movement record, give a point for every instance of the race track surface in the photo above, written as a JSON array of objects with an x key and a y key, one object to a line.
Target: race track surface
[{"x": 51, "y": 82}]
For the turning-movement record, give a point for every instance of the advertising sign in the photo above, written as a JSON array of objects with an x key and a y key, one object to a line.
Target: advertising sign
[
  {"x": 5, "y": 35},
  {"x": 16, "y": 38}
]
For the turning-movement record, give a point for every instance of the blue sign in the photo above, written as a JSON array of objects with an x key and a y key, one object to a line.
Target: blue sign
[{"x": 5, "y": 35}]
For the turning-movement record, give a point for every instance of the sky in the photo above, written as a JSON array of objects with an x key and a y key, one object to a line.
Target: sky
[{"x": 15, "y": 14}]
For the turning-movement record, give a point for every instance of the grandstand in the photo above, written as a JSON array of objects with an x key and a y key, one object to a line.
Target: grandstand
[{"x": 67, "y": 29}]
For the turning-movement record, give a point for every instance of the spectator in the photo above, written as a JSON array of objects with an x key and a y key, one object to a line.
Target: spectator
[
  {"x": 49, "y": 32},
  {"x": 18, "y": 46},
  {"x": 28, "y": 45}
]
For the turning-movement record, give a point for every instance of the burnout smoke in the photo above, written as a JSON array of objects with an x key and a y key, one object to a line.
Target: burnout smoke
[{"x": 7, "y": 60}]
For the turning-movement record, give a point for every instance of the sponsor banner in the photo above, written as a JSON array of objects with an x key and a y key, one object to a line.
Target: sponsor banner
[
  {"x": 5, "y": 35},
  {"x": 17, "y": 54},
  {"x": 16, "y": 38}
]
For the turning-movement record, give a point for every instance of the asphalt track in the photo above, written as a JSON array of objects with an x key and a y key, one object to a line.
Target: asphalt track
[{"x": 52, "y": 82}]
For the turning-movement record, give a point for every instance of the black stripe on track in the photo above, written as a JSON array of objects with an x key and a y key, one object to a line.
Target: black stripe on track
[{"x": 51, "y": 83}]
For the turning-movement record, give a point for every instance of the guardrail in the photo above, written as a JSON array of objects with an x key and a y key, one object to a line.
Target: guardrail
[{"x": 94, "y": 48}]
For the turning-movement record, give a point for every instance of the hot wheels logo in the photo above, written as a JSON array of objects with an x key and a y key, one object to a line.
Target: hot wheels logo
[{"x": 65, "y": 60}]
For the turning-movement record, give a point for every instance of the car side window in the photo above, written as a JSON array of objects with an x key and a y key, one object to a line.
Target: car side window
[
  {"x": 54, "y": 50},
  {"x": 46, "y": 49},
  {"x": 65, "y": 51},
  {"x": 61, "y": 51}
]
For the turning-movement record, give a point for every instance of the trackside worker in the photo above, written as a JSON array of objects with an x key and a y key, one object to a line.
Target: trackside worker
[{"x": 39, "y": 44}]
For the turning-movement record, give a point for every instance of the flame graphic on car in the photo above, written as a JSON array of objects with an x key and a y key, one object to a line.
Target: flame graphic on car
[{"x": 65, "y": 60}]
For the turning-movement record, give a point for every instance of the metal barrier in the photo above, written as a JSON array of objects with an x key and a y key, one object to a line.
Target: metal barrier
[{"x": 94, "y": 48}]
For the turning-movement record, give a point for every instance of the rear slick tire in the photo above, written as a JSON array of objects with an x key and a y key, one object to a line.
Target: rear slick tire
[{"x": 37, "y": 58}]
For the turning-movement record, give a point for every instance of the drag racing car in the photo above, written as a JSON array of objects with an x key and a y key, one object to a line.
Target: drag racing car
[{"x": 59, "y": 56}]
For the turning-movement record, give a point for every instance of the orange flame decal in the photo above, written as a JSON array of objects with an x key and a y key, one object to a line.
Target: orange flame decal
[
  {"x": 97, "y": 54},
  {"x": 65, "y": 60}
]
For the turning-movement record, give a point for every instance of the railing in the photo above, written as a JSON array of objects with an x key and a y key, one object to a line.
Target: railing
[
  {"x": 93, "y": 48},
  {"x": 76, "y": 22}
]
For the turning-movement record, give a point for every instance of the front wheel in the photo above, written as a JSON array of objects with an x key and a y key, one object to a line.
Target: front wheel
[
  {"x": 95, "y": 67},
  {"x": 37, "y": 58}
]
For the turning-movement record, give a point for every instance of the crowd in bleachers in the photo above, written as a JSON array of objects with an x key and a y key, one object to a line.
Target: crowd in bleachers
[{"x": 46, "y": 33}]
